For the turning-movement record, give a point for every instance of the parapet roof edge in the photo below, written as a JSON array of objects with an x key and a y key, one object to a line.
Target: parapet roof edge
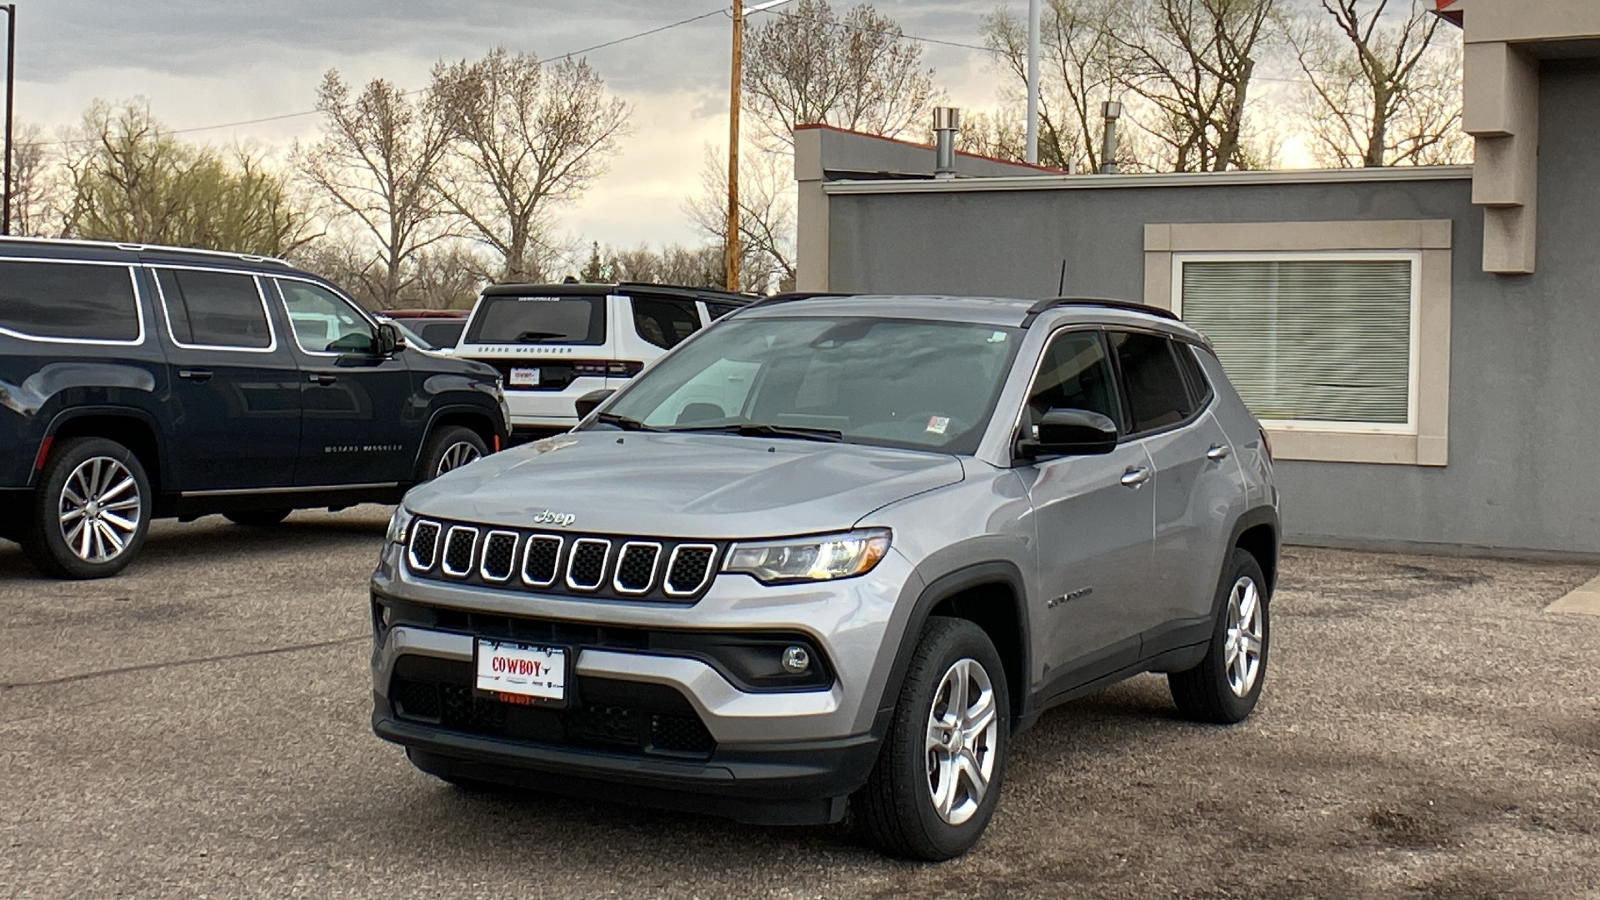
[{"x": 1168, "y": 179}]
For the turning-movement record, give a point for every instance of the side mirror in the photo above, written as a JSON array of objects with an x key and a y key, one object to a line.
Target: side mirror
[
  {"x": 591, "y": 401},
  {"x": 388, "y": 339},
  {"x": 1072, "y": 432}
]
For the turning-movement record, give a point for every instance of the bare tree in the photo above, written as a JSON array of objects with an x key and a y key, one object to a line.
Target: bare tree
[
  {"x": 766, "y": 214},
  {"x": 699, "y": 266},
  {"x": 526, "y": 136},
  {"x": 35, "y": 185},
  {"x": 858, "y": 71},
  {"x": 999, "y": 135},
  {"x": 1191, "y": 62},
  {"x": 1077, "y": 65},
  {"x": 1379, "y": 88},
  {"x": 376, "y": 162}
]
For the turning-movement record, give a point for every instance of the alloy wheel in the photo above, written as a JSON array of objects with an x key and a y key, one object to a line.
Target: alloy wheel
[
  {"x": 455, "y": 456},
  {"x": 100, "y": 509},
  {"x": 963, "y": 735},
  {"x": 1243, "y": 642}
]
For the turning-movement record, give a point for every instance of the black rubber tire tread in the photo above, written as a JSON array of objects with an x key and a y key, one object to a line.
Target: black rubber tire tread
[
  {"x": 258, "y": 518},
  {"x": 439, "y": 440},
  {"x": 893, "y": 808},
  {"x": 1202, "y": 693},
  {"x": 43, "y": 543}
]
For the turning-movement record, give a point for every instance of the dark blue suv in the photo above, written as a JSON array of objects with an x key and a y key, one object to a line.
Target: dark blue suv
[{"x": 144, "y": 382}]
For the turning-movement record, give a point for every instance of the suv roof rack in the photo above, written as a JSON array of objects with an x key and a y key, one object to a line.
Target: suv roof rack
[
  {"x": 1043, "y": 306},
  {"x": 135, "y": 247}
]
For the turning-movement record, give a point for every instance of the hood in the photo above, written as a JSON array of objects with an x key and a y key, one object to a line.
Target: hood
[{"x": 682, "y": 485}]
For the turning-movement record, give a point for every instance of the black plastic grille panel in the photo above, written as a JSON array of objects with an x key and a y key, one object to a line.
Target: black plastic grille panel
[
  {"x": 690, "y": 569},
  {"x": 636, "y": 567},
  {"x": 542, "y": 562},
  {"x": 424, "y": 544},
  {"x": 460, "y": 546},
  {"x": 586, "y": 569},
  {"x": 499, "y": 555}
]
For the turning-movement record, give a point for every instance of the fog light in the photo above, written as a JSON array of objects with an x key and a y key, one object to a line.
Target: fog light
[{"x": 796, "y": 660}]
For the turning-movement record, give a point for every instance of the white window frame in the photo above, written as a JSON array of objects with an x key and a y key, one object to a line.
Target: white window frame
[
  {"x": 138, "y": 304},
  {"x": 1413, "y": 257},
  {"x": 283, "y": 303},
  {"x": 166, "y": 308}
]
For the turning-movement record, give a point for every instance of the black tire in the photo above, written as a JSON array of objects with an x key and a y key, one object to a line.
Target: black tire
[
  {"x": 896, "y": 807},
  {"x": 46, "y": 539},
  {"x": 258, "y": 518},
  {"x": 443, "y": 444},
  {"x": 1207, "y": 693}
]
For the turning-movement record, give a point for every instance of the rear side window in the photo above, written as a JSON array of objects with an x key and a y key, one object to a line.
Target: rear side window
[
  {"x": 68, "y": 301},
  {"x": 214, "y": 309},
  {"x": 664, "y": 323},
  {"x": 1199, "y": 387},
  {"x": 718, "y": 310},
  {"x": 539, "y": 320},
  {"x": 441, "y": 334},
  {"x": 1157, "y": 395}
]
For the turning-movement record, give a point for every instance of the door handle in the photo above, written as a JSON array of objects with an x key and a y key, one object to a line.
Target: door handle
[
  {"x": 1135, "y": 476},
  {"x": 195, "y": 374},
  {"x": 322, "y": 378},
  {"x": 1219, "y": 452}
]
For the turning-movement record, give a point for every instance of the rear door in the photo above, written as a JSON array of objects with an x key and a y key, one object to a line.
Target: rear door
[
  {"x": 360, "y": 426},
  {"x": 235, "y": 391}
]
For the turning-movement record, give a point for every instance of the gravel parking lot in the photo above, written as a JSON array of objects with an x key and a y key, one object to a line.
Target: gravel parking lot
[{"x": 198, "y": 728}]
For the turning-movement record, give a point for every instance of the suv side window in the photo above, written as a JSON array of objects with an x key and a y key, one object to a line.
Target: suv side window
[
  {"x": 69, "y": 301},
  {"x": 1155, "y": 388},
  {"x": 718, "y": 310},
  {"x": 323, "y": 321},
  {"x": 214, "y": 309},
  {"x": 664, "y": 323},
  {"x": 1199, "y": 387},
  {"x": 1075, "y": 373}
]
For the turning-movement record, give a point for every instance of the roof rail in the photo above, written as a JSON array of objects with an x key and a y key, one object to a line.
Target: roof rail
[
  {"x": 790, "y": 296},
  {"x": 137, "y": 248},
  {"x": 731, "y": 295},
  {"x": 1043, "y": 306}
]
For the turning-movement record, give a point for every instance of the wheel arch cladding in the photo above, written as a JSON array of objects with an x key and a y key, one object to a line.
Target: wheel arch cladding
[
  {"x": 128, "y": 429},
  {"x": 1261, "y": 541}
]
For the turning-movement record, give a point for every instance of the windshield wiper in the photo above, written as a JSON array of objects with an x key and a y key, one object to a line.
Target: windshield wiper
[
  {"x": 536, "y": 337},
  {"x": 757, "y": 429},
  {"x": 624, "y": 423}
]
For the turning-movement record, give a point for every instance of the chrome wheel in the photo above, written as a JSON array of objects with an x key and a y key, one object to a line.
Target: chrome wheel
[
  {"x": 100, "y": 509},
  {"x": 455, "y": 456},
  {"x": 963, "y": 735},
  {"x": 1243, "y": 643}
]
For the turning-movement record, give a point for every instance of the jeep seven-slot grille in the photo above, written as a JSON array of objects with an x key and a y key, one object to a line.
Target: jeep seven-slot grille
[{"x": 583, "y": 565}]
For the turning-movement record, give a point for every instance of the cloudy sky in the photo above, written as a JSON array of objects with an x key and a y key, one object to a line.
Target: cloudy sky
[{"x": 209, "y": 62}]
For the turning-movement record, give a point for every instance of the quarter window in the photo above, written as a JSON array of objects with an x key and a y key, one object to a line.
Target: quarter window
[
  {"x": 718, "y": 310},
  {"x": 68, "y": 301},
  {"x": 1157, "y": 395},
  {"x": 323, "y": 321},
  {"x": 664, "y": 323},
  {"x": 214, "y": 309},
  {"x": 1074, "y": 374}
]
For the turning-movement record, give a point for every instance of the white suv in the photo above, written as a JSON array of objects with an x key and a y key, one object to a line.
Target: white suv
[{"x": 555, "y": 343}]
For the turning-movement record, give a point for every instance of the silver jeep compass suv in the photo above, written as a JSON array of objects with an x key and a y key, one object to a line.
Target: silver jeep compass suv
[{"x": 836, "y": 550}]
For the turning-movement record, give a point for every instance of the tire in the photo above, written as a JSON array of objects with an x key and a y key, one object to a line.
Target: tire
[
  {"x": 91, "y": 510},
  {"x": 449, "y": 448},
  {"x": 1225, "y": 686},
  {"x": 897, "y": 806},
  {"x": 258, "y": 518}
]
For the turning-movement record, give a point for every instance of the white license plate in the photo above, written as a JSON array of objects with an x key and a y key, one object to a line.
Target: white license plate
[
  {"x": 522, "y": 670},
  {"x": 525, "y": 377}
]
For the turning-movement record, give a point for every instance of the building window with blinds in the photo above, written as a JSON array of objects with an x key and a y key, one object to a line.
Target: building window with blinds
[{"x": 1316, "y": 341}]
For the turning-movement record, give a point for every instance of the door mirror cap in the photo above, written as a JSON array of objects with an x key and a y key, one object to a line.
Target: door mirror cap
[
  {"x": 591, "y": 401},
  {"x": 389, "y": 340},
  {"x": 1072, "y": 432}
]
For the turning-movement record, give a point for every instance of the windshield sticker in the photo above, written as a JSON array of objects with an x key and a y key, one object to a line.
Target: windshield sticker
[
  {"x": 999, "y": 337},
  {"x": 938, "y": 424}
]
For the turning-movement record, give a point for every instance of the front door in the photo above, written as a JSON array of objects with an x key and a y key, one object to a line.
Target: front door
[
  {"x": 359, "y": 425},
  {"x": 235, "y": 386},
  {"x": 1093, "y": 517}
]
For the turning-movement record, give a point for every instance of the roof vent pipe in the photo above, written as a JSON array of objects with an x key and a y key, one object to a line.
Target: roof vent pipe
[
  {"x": 946, "y": 122},
  {"x": 1112, "y": 111}
]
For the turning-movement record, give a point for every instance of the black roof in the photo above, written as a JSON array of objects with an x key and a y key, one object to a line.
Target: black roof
[{"x": 517, "y": 289}]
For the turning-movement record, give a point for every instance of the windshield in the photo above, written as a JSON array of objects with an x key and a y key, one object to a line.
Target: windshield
[
  {"x": 539, "y": 320},
  {"x": 890, "y": 382}
]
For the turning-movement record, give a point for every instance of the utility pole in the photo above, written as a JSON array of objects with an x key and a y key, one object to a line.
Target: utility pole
[
  {"x": 730, "y": 247},
  {"x": 11, "y": 81},
  {"x": 1033, "y": 82}
]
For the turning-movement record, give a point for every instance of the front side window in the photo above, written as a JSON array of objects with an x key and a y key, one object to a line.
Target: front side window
[
  {"x": 1075, "y": 373},
  {"x": 68, "y": 301},
  {"x": 664, "y": 323},
  {"x": 1310, "y": 340},
  {"x": 888, "y": 382},
  {"x": 1157, "y": 395},
  {"x": 323, "y": 321},
  {"x": 539, "y": 320},
  {"x": 214, "y": 309}
]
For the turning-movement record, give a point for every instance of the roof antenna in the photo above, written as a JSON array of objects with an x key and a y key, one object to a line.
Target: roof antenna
[{"x": 1061, "y": 291}]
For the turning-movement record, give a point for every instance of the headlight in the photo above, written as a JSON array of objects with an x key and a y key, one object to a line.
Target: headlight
[
  {"x": 810, "y": 559},
  {"x": 399, "y": 524}
]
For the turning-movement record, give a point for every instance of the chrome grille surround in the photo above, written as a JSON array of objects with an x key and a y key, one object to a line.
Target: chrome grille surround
[
  {"x": 539, "y": 543},
  {"x": 634, "y": 547},
  {"x": 672, "y": 585},
  {"x": 578, "y": 557},
  {"x": 494, "y": 539},
  {"x": 449, "y": 550},
  {"x": 415, "y": 560}
]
